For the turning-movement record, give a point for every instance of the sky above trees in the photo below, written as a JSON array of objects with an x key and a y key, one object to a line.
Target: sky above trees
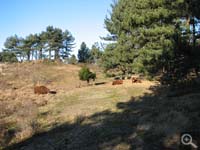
[{"x": 83, "y": 18}]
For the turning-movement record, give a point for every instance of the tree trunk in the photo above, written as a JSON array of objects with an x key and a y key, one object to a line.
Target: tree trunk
[
  {"x": 56, "y": 57},
  {"x": 163, "y": 69},
  {"x": 40, "y": 53},
  {"x": 49, "y": 54},
  {"x": 20, "y": 57},
  {"x": 28, "y": 55},
  {"x": 32, "y": 55},
  {"x": 193, "y": 33},
  {"x": 36, "y": 55}
]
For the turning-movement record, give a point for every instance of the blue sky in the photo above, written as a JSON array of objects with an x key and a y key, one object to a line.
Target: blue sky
[{"x": 83, "y": 18}]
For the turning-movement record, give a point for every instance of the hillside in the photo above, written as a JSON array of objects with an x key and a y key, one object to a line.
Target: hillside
[{"x": 102, "y": 116}]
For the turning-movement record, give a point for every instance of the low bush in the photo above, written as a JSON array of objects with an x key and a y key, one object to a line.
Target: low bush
[{"x": 85, "y": 74}]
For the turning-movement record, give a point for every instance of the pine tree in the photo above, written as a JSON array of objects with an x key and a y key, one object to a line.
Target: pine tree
[
  {"x": 51, "y": 40},
  {"x": 28, "y": 46},
  {"x": 40, "y": 46},
  {"x": 8, "y": 56},
  {"x": 148, "y": 36},
  {"x": 83, "y": 53},
  {"x": 68, "y": 44},
  {"x": 12, "y": 44},
  {"x": 95, "y": 53}
]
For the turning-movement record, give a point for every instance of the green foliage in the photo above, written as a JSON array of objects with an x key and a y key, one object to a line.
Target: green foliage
[
  {"x": 84, "y": 53},
  {"x": 37, "y": 45},
  {"x": 143, "y": 30},
  {"x": 54, "y": 40},
  {"x": 72, "y": 60},
  {"x": 7, "y": 56},
  {"x": 67, "y": 44},
  {"x": 92, "y": 76},
  {"x": 28, "y": 45},
  {"x": 153, "y": 35},
  {"x": 109, "y": 58},
  {"x": 85, "y": 74},
  {"x": 13, "y": 43},
  {"x": 95, "y": 53}
]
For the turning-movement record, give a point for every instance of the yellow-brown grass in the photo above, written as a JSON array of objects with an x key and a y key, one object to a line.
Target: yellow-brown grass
[{"x": 19, "y": 101}]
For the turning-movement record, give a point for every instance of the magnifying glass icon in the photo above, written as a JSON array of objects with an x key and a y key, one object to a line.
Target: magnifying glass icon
[{"x": 186, "y": 139}]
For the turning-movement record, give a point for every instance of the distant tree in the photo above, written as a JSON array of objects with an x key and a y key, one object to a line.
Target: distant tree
[
  {"x": 95, "y": 53},
  {"x": 72, "y": 60},
  {"x": 29, "y": 46},
  {"x": 58, "y": 41},
  {"x": 83, "y": 53},
  {"x": 8, "y": 56},
  {"x": 36, "y": 46},
  {"x": 68, "y": 44},
  {"x": 85, "y": 74},
  {"x": 12, "y": 44},
  {"x": 40, "y": 45},
  {"x": 53, "y": 38}
]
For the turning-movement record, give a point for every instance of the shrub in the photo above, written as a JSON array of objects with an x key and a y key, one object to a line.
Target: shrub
[
  {"x": 92, "y": 76},
  {"x": 85, "y": 74}
]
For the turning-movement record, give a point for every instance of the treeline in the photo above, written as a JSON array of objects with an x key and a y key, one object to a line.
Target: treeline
[
  {"x": 51, "y": 44},
  {"x": 150, "y": 37},
  {"x": 93, "y": 55},
  {"x": 154, "y": 36}
]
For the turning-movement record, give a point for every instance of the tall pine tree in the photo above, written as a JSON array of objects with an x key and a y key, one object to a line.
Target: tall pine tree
[
  {"x": 83, "y": 53},
  {"x": 146, "y": 34}
]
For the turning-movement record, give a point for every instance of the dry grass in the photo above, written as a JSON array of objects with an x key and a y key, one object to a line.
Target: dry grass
[
  {"x": 24, "y": 114},
  {"x": 104, "y": 117}
]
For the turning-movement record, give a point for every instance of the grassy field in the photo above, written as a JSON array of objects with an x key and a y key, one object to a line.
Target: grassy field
[{"x": 130, "y": 116}]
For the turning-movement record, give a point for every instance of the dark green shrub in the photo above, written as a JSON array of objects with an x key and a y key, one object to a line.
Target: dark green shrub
[
  {"x": 92, "y": 76},
  {"x": 85, "y": 74}
]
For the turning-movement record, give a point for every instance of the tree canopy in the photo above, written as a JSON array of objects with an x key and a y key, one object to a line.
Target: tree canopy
[
  {"x": 95, "y": 53},
  {"x": 7, "y": 56},
  {"x": 83, "y": 53},
  {"x": 54, "y": 41},
  {"x": 152, "y": 35}
]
